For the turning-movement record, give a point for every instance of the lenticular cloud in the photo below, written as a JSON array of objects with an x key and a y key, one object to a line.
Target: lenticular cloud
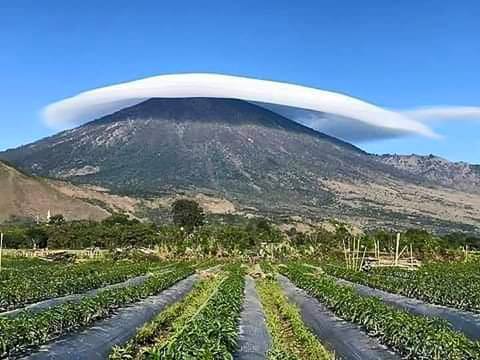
[{"x": 330, "y": 112}]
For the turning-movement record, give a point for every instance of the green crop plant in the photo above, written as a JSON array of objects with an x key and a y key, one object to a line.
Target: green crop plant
[
  {"x": 36, "y": 284},
  {"x": 291, "y": 339},
  {"x": 453, "y": 285},
  {"x": 211, "y": 333},
  {"x": 415, "y": 337},
  {"x": 169, "y": 321},
  {"x": 29, "y": 330}
]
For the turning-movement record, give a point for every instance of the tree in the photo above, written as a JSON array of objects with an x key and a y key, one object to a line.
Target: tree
[
  {"x": 57, "y": 219},
  {"x": 38, "y": 236},
  {"x": 187, "y": 214},
  {"x": 119, "y": 219}
]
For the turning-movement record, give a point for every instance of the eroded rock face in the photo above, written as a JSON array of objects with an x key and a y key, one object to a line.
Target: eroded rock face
[{"x": 83, "y": 171}]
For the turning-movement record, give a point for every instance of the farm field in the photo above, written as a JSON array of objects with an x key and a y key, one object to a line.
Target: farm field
[
  {"x": 33, "y": 282},
  {"x": 240, "y": 181},
  {"x": 231, "y": 308},
  {"x": 455, "y": 285}
]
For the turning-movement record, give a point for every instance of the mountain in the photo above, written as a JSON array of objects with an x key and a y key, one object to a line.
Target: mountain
[
  {"x": 457, "y": 175},
  {"x": 26, "y": 197},
  {"x": 248, "y": 155}
]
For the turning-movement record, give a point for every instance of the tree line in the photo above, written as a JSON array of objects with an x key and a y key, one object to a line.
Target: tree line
[{"x": 190, "y": 230}]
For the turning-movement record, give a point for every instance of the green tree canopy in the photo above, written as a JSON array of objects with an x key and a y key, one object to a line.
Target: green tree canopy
[
  {"x": 187, "y": 214},
  {"x": 119, "y": 219},
  {"x": 38, "y": 236},
  {"x": 57, "y": 219}
]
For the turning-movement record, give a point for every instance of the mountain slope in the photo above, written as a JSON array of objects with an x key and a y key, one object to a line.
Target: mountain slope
[
  {"x": 244, "y": 153},
  {"x": 228, "y": 146},
  {"x": 457, "y": 175},
  {"x": 26, "y": 197}
]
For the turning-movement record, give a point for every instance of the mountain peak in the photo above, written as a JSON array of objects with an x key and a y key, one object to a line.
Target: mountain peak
[
  {"x": 209, "y": 110},
  {"x": 238, "y": 151}
]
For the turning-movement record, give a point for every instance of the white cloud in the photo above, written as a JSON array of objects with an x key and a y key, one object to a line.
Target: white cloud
[
  {"x": 336, "y": 114},
  {"x": 433, "y": 113}
]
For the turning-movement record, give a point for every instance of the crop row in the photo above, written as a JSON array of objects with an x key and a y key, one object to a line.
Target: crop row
[
  {"x": 15, "y": 267},
  {"x": 30, "y": 330},
  {"x": 433, "y": 284},
  {"x": 21, "y": 262},
  {"x": 168, "y": 322},
  {"x": 458, "y": 269},
  {"x": 59, "y": 280},
  {"x": 211, "y": 333},
  {"x": 415, "y": 337},
  {"x": 291, "y": 339}
]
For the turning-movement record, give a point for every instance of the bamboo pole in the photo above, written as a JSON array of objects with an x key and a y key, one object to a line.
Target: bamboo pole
[
  {"x": 411, "y": 255},
  {"x": 363, "y": 258},
  {"x": 354, "y": 254},
  {"x": 354, "y": 251},
  {"x": 397, "y": 248},
  {"x": 347, "y": 251},
  {"x": 359, "y": 267},
  {"x": 1, "y": 249},
  {"x": 357, "y": 249}
]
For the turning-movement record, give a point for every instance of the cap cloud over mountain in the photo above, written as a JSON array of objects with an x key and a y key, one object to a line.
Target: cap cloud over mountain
[{"x": 331, "y": 112}]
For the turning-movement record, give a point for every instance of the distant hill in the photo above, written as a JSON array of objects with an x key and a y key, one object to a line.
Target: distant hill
[
  {"x": 456, "y": 175},
  {"x": 250, "y": 156},
  {"x": 24, "y": 197}
]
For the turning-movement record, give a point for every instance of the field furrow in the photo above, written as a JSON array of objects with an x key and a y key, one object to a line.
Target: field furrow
[
  {"x": 40, "y": 283},
  {"x": 410, "y": 335},
  {"x": 253, "y": 339},
  {"x": 463, "y": 321},
  {"x": 96, "y": 342},
  {"x": 344, "y": 339},
  {"x": 28, "y": 330}
]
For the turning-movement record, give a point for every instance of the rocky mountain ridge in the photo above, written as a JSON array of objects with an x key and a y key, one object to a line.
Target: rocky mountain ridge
[{"x": 456, "y": 175}]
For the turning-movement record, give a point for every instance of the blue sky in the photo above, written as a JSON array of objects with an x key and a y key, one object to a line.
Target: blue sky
[{"x": 398, "y": 55}]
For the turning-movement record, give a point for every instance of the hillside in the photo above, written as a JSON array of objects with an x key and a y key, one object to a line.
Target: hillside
[
  {"x": 238, "y": 152},
  {"x": 457, "y": 175},
  {"x": 26, "y": 197}
]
